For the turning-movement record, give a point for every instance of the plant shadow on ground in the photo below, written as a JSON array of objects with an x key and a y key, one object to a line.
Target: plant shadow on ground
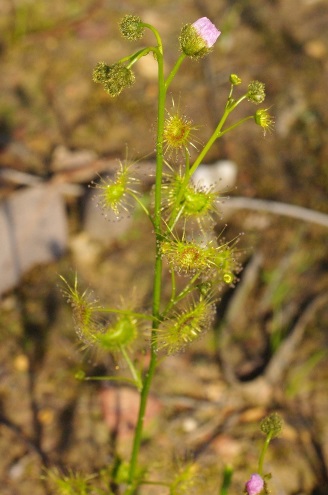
[{"x": 268, "y": 350}]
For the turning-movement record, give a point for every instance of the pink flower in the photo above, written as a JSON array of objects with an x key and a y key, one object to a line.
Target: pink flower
[
  {"x": 254, "y": 485},
  {"x": 206, "y": 29}
]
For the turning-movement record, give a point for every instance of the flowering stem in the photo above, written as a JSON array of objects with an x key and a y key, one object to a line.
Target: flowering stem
[
  {"x": 157, "y": 269},
  {"x": 216, "y": 134},
  {"x": 230, "y": 106},
  {"x": 264, "y": 449},
  {"x": 137, "y": 55},
  {"x": 157, "y": 36},
  {"x": 190, "y": 171}
]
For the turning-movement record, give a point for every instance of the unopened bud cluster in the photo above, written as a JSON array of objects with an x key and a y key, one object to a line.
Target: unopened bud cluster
[
  {"x": 272, "y": 425},
  {"x": 114, "y": 78},
  {"x": 256, "y": 92},
  {"x": 131, "y": 27}
]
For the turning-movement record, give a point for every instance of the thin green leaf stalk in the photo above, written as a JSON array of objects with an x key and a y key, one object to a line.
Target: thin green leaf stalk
[
  {"x": 132, "y": 368},
  {"x": 226, "y": 482}
]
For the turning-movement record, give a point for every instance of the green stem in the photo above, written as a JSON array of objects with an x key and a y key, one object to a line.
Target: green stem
[
  {"x": 230, "y": 106},
  {"x": 236, "y": 124},
  {"x": 156, "y": 34},
  {"x": 137, "y": 55},
  {"x": 174, "y": 70},
  {"x": 157, "y": 269},
  {"x": 216, "y": 134},
  {"x": 264, "y": 449},
  {"x": 226, "y": 482}
]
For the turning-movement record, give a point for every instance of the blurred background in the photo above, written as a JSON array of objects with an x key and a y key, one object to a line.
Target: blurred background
[{"x": 58, "y": 131}]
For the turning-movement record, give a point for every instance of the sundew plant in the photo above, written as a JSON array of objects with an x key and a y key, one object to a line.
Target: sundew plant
[{"x": 182, "y": 214}]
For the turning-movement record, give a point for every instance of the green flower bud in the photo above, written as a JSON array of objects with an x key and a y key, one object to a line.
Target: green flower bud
[
  {"x": 101, "y": 72},
  {"x": 256, "y": 92},
  {"x": 272, "y": 425},
  {"x": 234, "y": 79},
  {"x": 131, "y": 27},
  {"x": 114, "y": 77},
  {"x": 80, "y": 375}
]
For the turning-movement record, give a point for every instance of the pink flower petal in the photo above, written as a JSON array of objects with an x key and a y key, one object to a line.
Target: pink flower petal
[
  {"x": 206, "y": 29},
  {"x": 254, "y": 485}
]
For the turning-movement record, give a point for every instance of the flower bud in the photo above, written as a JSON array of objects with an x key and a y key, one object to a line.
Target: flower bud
[
  {"x": 197, "y": 39},
  {"x": 101, "y": 72},
  {"x": 234, "y": 79},
  {"x": 114, "y": 77},
  {"x": 256, "y": 92},
  {"x": 80, "y": 375},
  {"x": 272, "y": 425},
  {"x": 131, "y": 27},
  {"x": 254, "y": 485}
]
